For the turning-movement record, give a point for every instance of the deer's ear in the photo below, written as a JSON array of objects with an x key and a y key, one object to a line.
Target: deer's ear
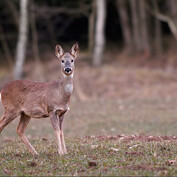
[
  {"x": 75, "y": 50},
  {"x": 59, "y": 52}
]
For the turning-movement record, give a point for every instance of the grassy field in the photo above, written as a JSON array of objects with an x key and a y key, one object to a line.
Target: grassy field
[
  {"x": 128, "y": 126},
  {"x": 134, "y": 152},
  {"x": 117, "y": 155}
]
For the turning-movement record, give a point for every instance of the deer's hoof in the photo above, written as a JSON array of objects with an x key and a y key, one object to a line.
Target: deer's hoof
[
  {"x": 65, "y": 152},
  {"x": 61, "y": 152},
  {"x": 35, "y": 153}
]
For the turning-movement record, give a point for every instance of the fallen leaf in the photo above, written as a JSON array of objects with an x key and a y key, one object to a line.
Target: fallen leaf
[
  {"x": 114, "y": 149},
  {"x": 33, "y": 164},
  {"x": 18, "y": 155},
  {"x": 155, "y": 154},
  {"x": 92, "y": 164},
  {"x": 94, "y": 146},
  {"x": 171, "y": 162},
  {"x": 44, "y": 139},
  {"x": 136, "y": 145}
]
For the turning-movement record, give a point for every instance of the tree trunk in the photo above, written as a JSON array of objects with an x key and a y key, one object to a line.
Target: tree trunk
[
  {"x": 99, "y": 32},
  {"x": 38, "y": 72},
  {"x": 34, "y": 34},
  {"x": 144, "y": 29},
  {"x": 173, "y": 8},
  {"x": 157, "y": 32},
  {"x": 5, "y": 47},
  {"x": 22, "y": 39},
  {"x": 14, "y": 11},
  {"x": 125, "y": 24},
  {"x": 91, "y": 28},
  {"x": 135, "y": 25},
  {"x": 50, "y": 28}
]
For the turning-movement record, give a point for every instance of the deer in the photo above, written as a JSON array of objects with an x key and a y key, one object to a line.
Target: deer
[{"x": 32, "y": 99}]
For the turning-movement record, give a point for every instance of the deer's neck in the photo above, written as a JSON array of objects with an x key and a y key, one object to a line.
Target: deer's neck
[{"x": 67, "y": 84}]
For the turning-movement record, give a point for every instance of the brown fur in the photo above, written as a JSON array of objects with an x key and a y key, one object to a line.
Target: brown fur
[{"x": 44, "y": 97}]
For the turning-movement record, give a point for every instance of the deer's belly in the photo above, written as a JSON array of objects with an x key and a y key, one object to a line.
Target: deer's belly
[{"x": 36, "y": 112}]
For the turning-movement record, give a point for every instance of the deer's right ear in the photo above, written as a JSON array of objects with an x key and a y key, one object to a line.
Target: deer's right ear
[{"x": 59, "y": 52}]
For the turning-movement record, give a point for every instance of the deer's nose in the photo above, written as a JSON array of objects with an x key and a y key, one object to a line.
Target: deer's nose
[{"x": 68, "y": 70}]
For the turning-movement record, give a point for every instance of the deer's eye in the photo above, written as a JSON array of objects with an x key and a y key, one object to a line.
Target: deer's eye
[
  {"x": 72, "y": 60},
  {"x": 62, "y": 61}
]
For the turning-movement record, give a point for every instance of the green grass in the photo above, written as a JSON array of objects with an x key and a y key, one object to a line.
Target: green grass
[{"x": 90, "y": 156}]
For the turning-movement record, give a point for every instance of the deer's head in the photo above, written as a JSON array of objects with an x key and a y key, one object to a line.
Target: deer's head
[{"x": 67, "y": 59}]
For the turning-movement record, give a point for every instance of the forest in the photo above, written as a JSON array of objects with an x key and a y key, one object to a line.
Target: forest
[{"x": 135, "y": 27}]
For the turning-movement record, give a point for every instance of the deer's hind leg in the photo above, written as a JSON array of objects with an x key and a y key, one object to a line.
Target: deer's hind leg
[
  {"x": 8, "y": 117},
  {"x": 24, "y": 120}
]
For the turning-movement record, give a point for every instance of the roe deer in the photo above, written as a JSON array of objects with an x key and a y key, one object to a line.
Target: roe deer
[{"x": 41, "y": 99}]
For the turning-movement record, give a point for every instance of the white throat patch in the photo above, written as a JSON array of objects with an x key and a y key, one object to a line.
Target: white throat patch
[{"x": 69, "y": 88}]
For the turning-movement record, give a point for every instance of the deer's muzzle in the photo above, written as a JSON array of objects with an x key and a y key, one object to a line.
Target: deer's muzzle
[{"x": 68, "y": 70}]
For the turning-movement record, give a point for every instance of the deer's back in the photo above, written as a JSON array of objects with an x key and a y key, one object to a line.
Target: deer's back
[{"x": 16, "y": 93}]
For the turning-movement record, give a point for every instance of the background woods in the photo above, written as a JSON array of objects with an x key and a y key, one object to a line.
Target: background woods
[{"x": 146, "y": 27}]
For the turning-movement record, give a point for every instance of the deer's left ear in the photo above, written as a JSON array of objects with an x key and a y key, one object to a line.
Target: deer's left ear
[
  {"x": 59, "y": 52},
  {"x": 75, "y": 50}
]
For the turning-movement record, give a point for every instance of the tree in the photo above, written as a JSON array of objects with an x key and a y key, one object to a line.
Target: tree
[
  {"x": 173, "y": 10},
  {"x": 157, "y": 31},
  {"x": 22, "y": 39},
  {"x": 164, "y": 18},
  {"x": 125, "y": 24},
  {"x": 91, "y": 27},
  {"x": 144, "y": 29},
  {"x": 38, "y": 72},
  {"x": 135, "y": 25},
  {"x": 99, "y": 32},
  {"x": 14, "y": 12},
  {"x": 5, "y": 47}
]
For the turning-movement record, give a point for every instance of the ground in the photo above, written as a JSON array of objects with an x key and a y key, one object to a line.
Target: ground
[
  {"x": 91, "y": 156},
  {"x": 122, "y": 121}
]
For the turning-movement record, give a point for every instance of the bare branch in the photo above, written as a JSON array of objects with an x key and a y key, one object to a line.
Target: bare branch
[
  {"x": 14, "y": 11},
  {"x": 163, "y": 18},
  {"x": 56, "y": 10}
]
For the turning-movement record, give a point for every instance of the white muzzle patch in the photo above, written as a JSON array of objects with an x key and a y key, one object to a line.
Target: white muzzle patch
[{"x": 68, "y": 76}]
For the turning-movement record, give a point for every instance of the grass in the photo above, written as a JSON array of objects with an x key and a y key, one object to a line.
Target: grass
[
  {"x": 98, "y": 156},
  {"x": 90, "y": 157}
]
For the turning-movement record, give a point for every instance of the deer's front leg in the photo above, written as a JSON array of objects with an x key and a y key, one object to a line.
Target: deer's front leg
[
  {"x": 55, "y": 123},
  {"x": 61, "y": 118}
]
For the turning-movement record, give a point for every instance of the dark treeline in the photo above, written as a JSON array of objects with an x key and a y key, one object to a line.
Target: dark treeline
[{"x": 136, "y": 26}]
